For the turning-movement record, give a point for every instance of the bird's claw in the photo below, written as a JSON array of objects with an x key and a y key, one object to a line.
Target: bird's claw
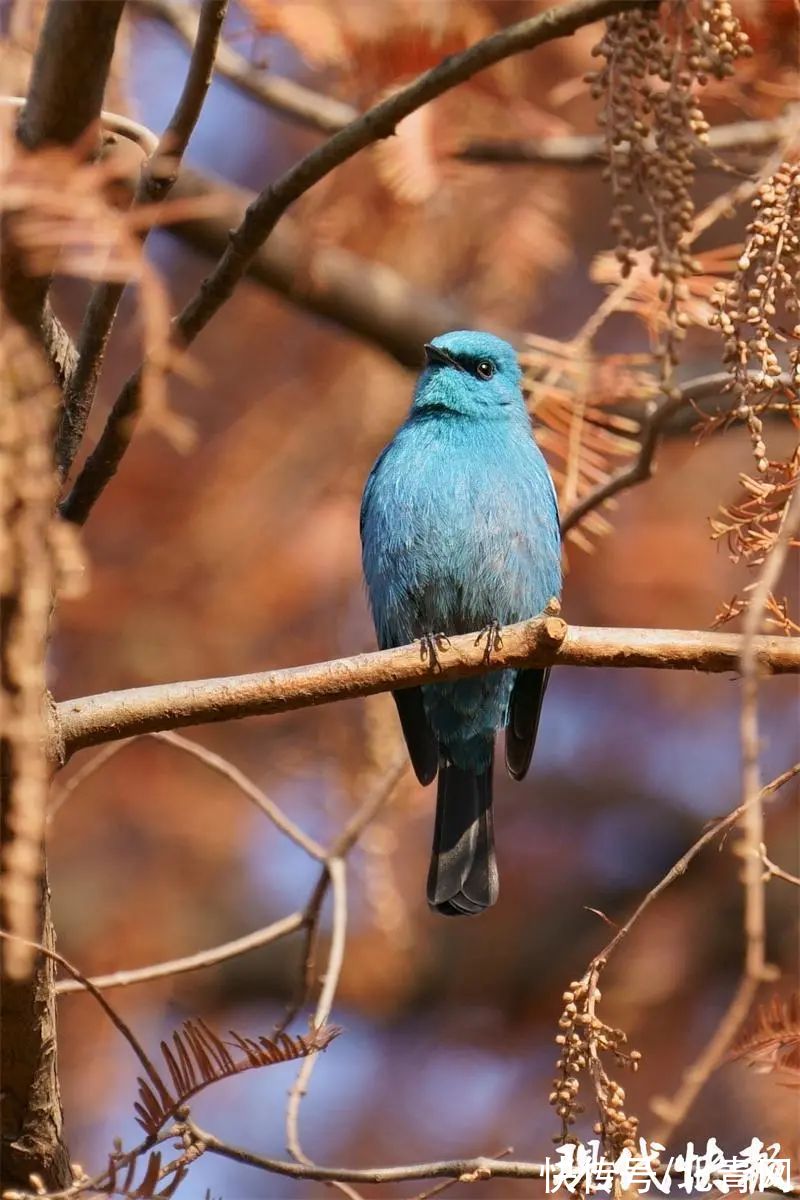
[
  {"x": 430, "y": 644},
  {"x": 494, "y": 639}
]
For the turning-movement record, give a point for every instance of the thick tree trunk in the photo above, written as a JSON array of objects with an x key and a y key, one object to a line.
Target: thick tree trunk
[{"x": 32, "y": 1122}]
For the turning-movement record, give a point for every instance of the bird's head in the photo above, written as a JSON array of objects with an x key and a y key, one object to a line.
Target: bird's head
[{"x": 472, "y": 373}]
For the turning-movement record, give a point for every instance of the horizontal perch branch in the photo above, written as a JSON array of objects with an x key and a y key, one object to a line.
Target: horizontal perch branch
[{"x": 92, "y": 720}]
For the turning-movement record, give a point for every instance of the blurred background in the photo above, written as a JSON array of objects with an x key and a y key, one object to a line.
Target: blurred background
[{"x": 244, "y": 555}]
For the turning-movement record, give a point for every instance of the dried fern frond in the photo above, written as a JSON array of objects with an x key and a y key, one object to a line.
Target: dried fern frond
[
  {"x": 777, "y": 613},
  {"x": 751, "y": 523},
  {"x": 198, "y": 1058},
  {"x": 573, "y": 399},
  {"x": 751, "y": 526},
  {"x": 60, "y": 215},
  {"x": 643, "y": 294},
  {"x": 772, "y": 1044}
]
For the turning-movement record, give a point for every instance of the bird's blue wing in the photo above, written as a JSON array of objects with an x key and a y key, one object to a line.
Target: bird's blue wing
[
  {"x": 525, "y": 705},
  {"x": 422, "y": 746},
  {"x": 524, "y": 711}
]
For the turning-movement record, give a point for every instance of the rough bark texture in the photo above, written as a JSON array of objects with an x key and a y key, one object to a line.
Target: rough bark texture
[
  {"x": 32, "y": 1136},
  {"x": 65, "y": 97},
  {"x": 70, "y": 69},
  {"x": 32, "y": 1122}
]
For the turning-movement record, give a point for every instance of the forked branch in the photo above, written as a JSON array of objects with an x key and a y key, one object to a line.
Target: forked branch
[{"x": 263, "y": 214}]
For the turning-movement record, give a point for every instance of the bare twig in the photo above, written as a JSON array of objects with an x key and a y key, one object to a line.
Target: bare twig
[
  {"x": 334, "y": 874},
  {"x": 368, "y": 298},
  {"x": 679, "y": 868},
  {"x": 209, "y": 759},
  {"x": 674, "y": 1110},
  {"x": 110, "y": 1012},
  {"x": 113, "y": 124},
  {"x": 445, "y": 1186},
  {"x": 60, "y": 795},
  {"x": 315, "y": 110},
  {"x": 262, "y": 801},
  {"x": 341, "y": 846},
  {"x": 91, "y": 720},
  {"x": 753, "y": 818},
  {"x": 158, "y": 176},
  {"x": 480, "y": 1168},
  {"x": 338, "y": 879},
  {"x": 301, "y": 104},
  {"x": 262, "y": 216},
  {"x": 192, "y": 962},
  {"x": 657, "y": 418},
  {"x": 269, "y": 933},
  {"x": 588, "y": 150},
  {"x": 773, "y": 871}
]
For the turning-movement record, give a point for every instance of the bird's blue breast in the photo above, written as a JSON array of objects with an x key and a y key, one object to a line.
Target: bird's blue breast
[{"x": 460, "y": 528}]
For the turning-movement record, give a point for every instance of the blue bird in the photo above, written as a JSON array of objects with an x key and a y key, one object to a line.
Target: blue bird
[{"x": 460, "y": 533}]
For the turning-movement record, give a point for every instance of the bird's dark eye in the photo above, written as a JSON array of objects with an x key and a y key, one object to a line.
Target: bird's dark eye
[{"x": 484, "y": 368}]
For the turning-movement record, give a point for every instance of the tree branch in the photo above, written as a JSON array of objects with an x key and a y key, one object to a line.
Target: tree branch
[
  {"x": 315, "y": 110},
  {"x": 370, "y": 299},
  {"x": 264, "y": 213},
  {"x": 657, "y": 418},
  {"x": 465, "y": 1168},
  {"x": 308, "y": 108},
  {"x": 589, "y": 150},
  {"x": 158, "y": 175},
  {"x": 65, "y": 94},
  {"x": 190, "y": 962},
  {"x": 755, "y": 970},
  {"x": 548, "y": 641}
]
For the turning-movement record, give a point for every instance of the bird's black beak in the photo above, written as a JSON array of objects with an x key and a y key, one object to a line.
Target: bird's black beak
[{"x": 434, "y": 354}]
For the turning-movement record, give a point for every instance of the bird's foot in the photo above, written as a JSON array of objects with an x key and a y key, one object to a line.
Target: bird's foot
[
  {"x": 430, "y": 644},
  {"x": 494, "y": 639}
]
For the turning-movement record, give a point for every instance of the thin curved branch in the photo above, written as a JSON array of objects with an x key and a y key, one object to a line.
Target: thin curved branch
[
  {"x": 468, "y": 1169},
  {"x": 305, "y": 919},
  {"x": 190, "y": 962},
  {"x": 263, "y": 214},
  {"x": 657, "y": 418},
  {"x": 368, "y": 298},
  {"x": 84, "y": 984},
  {"x": 545, "y": 641},
  {"x": 257, "y": 795},
  {"x": 756, "y": 970},
  {"x": 112, "y": 124},
  {"x": 679, "y": 868},
  {"x": 315, "y": 110},
  {"x": 155, "y": 182},
  {"x": 308, "y": 108},
  {"x": 589, "y": 150},
  {"x": 337, "y": 875}
]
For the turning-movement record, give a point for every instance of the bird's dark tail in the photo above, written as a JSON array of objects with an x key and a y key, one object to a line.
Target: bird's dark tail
[{"x": 462, "y": 879}]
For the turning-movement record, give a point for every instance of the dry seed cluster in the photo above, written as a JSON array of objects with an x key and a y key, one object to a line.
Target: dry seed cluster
[
  {"x": 582, "y": 1039},
  {"x": 653, "y": 124},
  {"x": 758, "y": 313}
]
